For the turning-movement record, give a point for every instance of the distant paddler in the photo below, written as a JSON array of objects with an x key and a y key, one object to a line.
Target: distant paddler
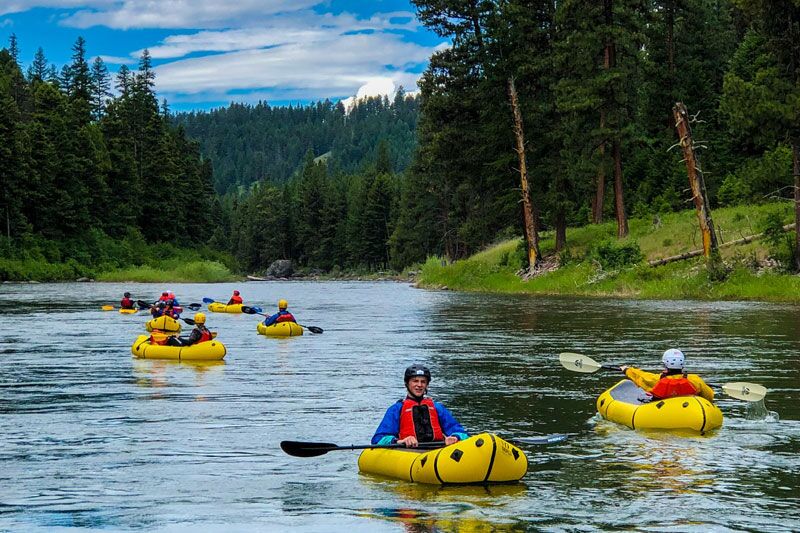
[
  {"x": 672, "y": 381},
  {"x": 236, "y": 299},
  {"x": 283, "y": 315}
]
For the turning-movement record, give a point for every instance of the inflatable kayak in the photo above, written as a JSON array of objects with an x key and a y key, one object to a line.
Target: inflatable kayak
[
  {"x": 484, "y": 458},
  {"x": 163, "y": 323},
  {"x": 217, "y": 307},
  {"x": 204, "y": 351},
  {"x": 627, "y": 404},
  {"x": 281, "y": 329},
  {"x": 128, "y": 311}
]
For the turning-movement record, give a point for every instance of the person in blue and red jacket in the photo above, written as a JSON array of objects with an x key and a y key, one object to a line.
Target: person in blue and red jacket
[
  {"x": 418, "y": 418},
  {"x": 281, "y": 316}
]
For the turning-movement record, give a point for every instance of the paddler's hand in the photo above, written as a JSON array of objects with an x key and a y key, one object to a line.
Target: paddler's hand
[
  {"x": 623, "y": 368},
  {"x": 410, "y": 441},
  {"x": 450, "y": 440}
]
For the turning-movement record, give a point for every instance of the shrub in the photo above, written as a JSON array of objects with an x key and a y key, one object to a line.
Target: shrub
[
  {"x": 779, "y": 242},
  {"x": 733, "y": 191},
  {"x": 613, "y": 254}
]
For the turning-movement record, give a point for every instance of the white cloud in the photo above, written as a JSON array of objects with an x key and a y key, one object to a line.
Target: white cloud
[
  {"x": 20, "y": 6},
  {"x": 339, "y": 67},
  {"x": 127, "y": 14},
  {"x": 116, "y": 60}
]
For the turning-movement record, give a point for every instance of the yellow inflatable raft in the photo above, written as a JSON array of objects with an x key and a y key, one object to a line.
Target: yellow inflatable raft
[
  {"x": 627, "y": 404},
  {"x": 281, "y": 329},
  {"x": 217, "y": 307},
  {"x": 128, "y": 311},
  {"x": 484, "y": 458},
  {"x": 204, "y": 351},
  {"x": 163, "y": 323}
]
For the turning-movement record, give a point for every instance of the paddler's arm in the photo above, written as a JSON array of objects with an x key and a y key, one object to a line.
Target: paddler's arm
[
  {"x": 389, "y": 428},
  {"x": 643, "y": 380},
  {"x": 702, "y": 389},
  {"x": 452, "y": 430}
]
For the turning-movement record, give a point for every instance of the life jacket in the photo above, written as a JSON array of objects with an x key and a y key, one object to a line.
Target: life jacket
[
  {"x": 668, "y": 387},
  {"x": 205, "y": 334},
  {"x": 420, "y": 419},
  {"x": 285, "y": 316},
  {"x": 235, "y": 299},
  {"x": 163, "y": 298},
  {"x": 126, "y": 303},
  {"x": 161, "y": 341}
]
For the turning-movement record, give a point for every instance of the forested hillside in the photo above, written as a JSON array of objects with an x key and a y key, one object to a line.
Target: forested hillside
[
  {"x": 254, "y": 143},
  {"x": 593, "y": 85}
]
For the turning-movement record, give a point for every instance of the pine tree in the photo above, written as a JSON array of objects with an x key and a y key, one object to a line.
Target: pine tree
[
  {"x": 38, "y": 71},
  {"x": 100, "y": 88}
]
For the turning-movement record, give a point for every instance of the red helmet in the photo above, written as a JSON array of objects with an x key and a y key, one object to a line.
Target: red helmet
[{"x": 236, "y": 293}]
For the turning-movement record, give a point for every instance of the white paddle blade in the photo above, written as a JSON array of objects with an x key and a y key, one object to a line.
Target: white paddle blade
[
  {"x": 749, "y": 392},
  {"x": 578, "y": 362}
]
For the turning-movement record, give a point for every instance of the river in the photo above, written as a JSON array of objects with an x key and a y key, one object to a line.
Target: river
[{"x": 94, "y": 439}]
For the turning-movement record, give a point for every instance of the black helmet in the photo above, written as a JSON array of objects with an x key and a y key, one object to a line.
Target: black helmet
[
  {"x": 161, "y": 305},
  {"x": 416, "y": 370},
  {"x": 127, "y": 295}
]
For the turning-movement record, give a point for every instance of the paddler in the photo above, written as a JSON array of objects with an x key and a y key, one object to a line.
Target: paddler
[
  {"x": 199, "y": 334},
  {"x": 126, "y": 302},
  {"x": 418, "y": 418},
  {"x": 281, "y": 316},
  {"x": 673, "y": 380},
  {"x": 235, "y": 299}
]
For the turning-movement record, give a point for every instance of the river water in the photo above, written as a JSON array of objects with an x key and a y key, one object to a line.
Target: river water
[{"x": 94, "y": 439}]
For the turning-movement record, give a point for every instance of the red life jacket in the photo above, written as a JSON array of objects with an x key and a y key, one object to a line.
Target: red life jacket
[
  {"x": 126, "y": 303},
  {"x": 670, "y": 387},
  {"x": 421, "y": 420},
  {"x": 235, "y": 299},
  {"x": 285, "y": 316},
  {"x": 205, "y": 335}
]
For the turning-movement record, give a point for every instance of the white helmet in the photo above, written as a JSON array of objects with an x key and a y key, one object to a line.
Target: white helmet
[{"x": 673, "y": 359}]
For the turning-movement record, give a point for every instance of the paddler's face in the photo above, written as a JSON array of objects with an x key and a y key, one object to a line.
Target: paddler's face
[{"x": 417, "y": 386}]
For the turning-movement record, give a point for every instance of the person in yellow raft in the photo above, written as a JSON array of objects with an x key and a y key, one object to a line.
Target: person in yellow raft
[
  {"x": 199, "y": 334},
  {"x": 673, "y": 380}
]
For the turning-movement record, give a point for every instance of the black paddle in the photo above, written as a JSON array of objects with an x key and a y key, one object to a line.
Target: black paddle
[
  {"x": 314, "y": 449},
  {"x": 144, "y": 305},
  {"x": 257, "y": 311}
]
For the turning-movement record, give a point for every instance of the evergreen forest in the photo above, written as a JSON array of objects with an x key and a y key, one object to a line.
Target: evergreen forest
[{"x": 391, "y": 181}]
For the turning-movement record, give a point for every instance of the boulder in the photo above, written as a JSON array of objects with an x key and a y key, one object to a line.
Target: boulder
[{"x": 282, "y": 268}]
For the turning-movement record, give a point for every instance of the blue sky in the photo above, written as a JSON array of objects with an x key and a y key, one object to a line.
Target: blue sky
[{"x": 208, "y": 53}]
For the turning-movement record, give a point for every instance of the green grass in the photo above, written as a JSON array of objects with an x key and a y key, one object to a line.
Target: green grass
[
  {"x": 494, "y": 270},
  {"x": 191, "y": 272}
]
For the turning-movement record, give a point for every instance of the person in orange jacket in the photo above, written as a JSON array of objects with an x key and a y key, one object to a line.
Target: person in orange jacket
[
  {"x": 673, "y": 380},
  {"x": 235, "y": 299}
]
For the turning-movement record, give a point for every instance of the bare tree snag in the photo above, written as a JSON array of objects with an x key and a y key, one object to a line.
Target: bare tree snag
[
  {"x": 600, "y": 178},
  {"x": 696, "y": 182},
  {"x": 531, "y": 231},
  {"x": 796, "y": 172},
  {"x": 622, "y": 219}
]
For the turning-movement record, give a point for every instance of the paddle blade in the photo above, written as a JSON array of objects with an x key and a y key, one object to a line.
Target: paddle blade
[
  {"x": 749, "y": 392},
  {"x": 208, "y": 300},
  {"x": 314, "y": 329},
  {"x": 143, "y": 304},
  {"x": 544, "y": 439},
  {"x": 188, "y": 321},
  {"x": 306, "y": 449},
  {"x": 249, "y": 310},
  {"x": 194, "y": 307},
  {"x": 578, "y": 362},
  {"x": 107, "y": 308}
]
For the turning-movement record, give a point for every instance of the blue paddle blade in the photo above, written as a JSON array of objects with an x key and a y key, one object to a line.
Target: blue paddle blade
[
  {"x": 257, "y": 309},
  {"x": 208, "y": 300}
]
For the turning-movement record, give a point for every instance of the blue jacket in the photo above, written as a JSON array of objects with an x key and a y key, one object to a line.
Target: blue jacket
[
  {"x": 389, "y": 428},
  {"x": 271, "y": 320}
]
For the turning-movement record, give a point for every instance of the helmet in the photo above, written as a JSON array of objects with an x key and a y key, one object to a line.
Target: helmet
[
  {"x": 282, "y": 304},
  {"x": 162, "y": 304},
  {"x": 165, "y": 293},
  {"x": 673, "y": 359},
  {"x": 416, "y": 370},
  {"x": 236, "y": 293},
  {"x": 200, "y": 318},
  {"x": 127, "y": 295}
]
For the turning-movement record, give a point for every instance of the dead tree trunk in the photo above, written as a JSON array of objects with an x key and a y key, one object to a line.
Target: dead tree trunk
[
  {"x": 531, "y": 231},
  {"x": 600, "y": 178},
  {"x": 696, "y": 182},
  {"x": 622, "y": 218},
  {"x": 796, "y": 172}
]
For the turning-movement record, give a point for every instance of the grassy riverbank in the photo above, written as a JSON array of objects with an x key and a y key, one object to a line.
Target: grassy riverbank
[
  {"x": 749, "y": 271},
  {"x": 99, "y": 257}
]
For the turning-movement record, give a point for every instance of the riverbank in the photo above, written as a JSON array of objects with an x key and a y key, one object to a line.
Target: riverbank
[{"x": 596, "y": 264}]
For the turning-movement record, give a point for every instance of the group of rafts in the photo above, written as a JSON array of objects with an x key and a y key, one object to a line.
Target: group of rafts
[
  {"x": 483, "y": 458},
  {"x": 149, "y": 346},
  {"x": 487, "y": 458}
]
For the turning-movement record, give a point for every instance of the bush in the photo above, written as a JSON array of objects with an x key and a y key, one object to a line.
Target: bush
[
  {"x": 733, "y": 191},
  {"x": 613, "y": 254},
  {"x": 779, "y": 242}
]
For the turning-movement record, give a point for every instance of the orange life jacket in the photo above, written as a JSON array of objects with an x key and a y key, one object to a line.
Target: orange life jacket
[
  {"x": 670, "y": 387},
  {"x": 205, "y": 335},
  {"x": 285, "y": 316},
  {"x": 235, "y": 299},
  {"x": 421, "y": 420}
]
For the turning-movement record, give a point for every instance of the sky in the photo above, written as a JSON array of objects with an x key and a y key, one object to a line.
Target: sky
[{"x": 208, "y": 53}]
